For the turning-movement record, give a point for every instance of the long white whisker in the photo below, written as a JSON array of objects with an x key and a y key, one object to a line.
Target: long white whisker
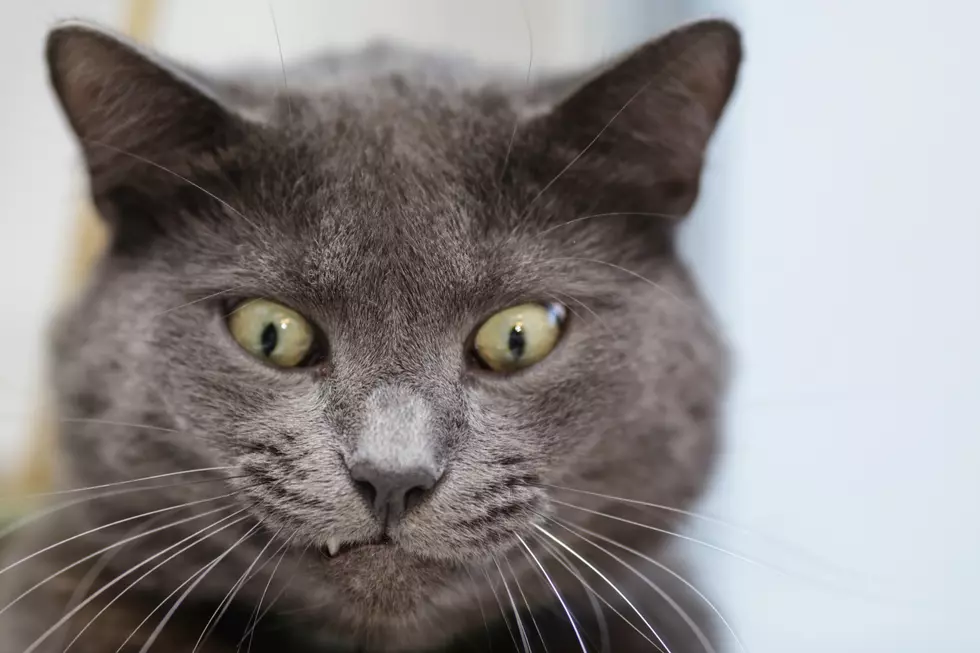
[
  {"x": 554, "y": 588},
  {"x": 636, "y": 275},
  {"x": 282, "y": 62},
  {"x": 202, "y": 570},
  {"x": 41, "y": 514},
  {"x": 280, "y": 594},
  {"x": 173, "y": 609},
  {"x": 574, "y": 527},
  {"x": 258, "y": 606},
  {"x": 776, "y": 542},
  {"x": 686, "y": 538},
  {"x": 80, "y": 592},
  {"x": 590, "y": 594},
  {"x": 567, "y": 564},
  {"x": 141, "y": 578},
  {"x": 105, "y": 526},
  {"x": 167, "y": 170},
  {"x": 685, "y": 617},
  {"x": 103, "y": 550},
  {"x": 130, "y": 481},
  {"x": 608, "y": 582},
  {"x": 527, "y": 84},
  {"x": 513, "y": 606},
  {"x": 644, "y": 214},
  {"x": 199, "y": 300},
  {"x": 527, "y": 604},
  {"x": 503, "y": 612},
  {"x": 585, "y": 150},
  {"x": 107, "y": 422},
  {"x": 226, "y": 602},
  {"x": 479, "y": 603}
]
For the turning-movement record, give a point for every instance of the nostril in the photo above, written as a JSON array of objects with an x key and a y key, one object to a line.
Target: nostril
[
  {"x": 391, "y": 493},
  {"x": 414, "y": 496},
  {"x": 366, "y": 490}
]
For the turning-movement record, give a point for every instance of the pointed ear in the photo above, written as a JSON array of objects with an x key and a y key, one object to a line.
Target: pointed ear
[
  {"x": 637, "y": 130},
  {"x": 133, "y": 113}
]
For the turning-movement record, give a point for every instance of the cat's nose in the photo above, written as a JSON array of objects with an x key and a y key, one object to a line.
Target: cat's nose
[{"x": 391, "y": 493}]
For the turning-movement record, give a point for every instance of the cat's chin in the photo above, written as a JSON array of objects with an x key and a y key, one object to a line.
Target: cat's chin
[{"x": 387, "y": 591}]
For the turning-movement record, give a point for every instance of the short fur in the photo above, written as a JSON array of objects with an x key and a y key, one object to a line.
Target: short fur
[{"x": 396, "y": 200}]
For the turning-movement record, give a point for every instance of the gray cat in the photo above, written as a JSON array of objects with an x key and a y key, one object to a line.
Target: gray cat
[{"x": 373, "y": 352}]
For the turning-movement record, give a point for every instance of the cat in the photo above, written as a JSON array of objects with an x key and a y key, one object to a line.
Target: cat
[{"x": 375, "y": 352}]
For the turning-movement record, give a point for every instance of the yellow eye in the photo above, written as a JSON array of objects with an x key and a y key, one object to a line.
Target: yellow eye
[
  {"x": 272, "y": 332},
  {"x": 519, "y": 336}
]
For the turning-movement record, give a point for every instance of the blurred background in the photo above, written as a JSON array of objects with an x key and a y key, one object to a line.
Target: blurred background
[{"x": 838, "y": 238}]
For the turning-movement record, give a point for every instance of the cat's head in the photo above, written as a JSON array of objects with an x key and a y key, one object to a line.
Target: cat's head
[{"x": 399, "y": 306}]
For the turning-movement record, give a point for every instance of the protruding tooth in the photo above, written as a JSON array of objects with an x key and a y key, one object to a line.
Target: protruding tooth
[{"x": 333, "y": 545}]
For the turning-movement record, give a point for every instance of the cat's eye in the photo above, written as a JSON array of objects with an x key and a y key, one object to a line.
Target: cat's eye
[
  {"x": 519, "y": 336},
  {"x": 272, "y": 332}
]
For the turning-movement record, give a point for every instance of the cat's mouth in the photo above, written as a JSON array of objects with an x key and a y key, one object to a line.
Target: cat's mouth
[{"x": 335, "y": 547}]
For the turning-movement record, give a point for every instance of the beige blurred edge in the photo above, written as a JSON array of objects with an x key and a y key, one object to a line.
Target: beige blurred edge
[{"x": 89, "y": 239}]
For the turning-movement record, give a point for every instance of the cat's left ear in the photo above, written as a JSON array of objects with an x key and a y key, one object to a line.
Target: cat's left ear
[
  {"x": 636, "y": 132},
  {"x": 134, "y": 113}
]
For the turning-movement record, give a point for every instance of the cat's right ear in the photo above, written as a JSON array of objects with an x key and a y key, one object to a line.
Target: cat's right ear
[{"x": 141, "y": 121}]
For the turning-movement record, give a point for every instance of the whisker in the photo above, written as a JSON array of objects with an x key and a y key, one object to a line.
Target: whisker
[
  {"x": 132, "y": 481},
  {"x": 608, "y": 582},
  {"x": 37, "y": 516},
  {"x": 642, "y": 214},
  {"x": 598, "y": 318},
  {"x": 503, "y": 612},
  {"x": 105, "y": 526},
  {"x": 567, "y": 564},
  {"x": 106, "y": 422},
  {"x": 258, "y": 606},
  {"x": 766, "y": 537},
  {"x": 686, "y": 538},
  {"x": 554, "y": 588},
  {"x": 479, "y": 602},
  {"x": 167, "y": 170},
  {"x": 162, "y": 603},
  {"x": 173, "y": 609},
  {"x": 591, "y": 595},
  {"x": 136, "y": 582},
  {"x": 81, "y": 591},
  {"x": 282, "y": 62},
  {"x": 572, "y": 528},
  {"x": 199, "y": 300},
  {"x": 513, "y": 606},
  {"x": 226, "y": 602},
  {"x": 527, "y": 84},
  {"x": 108, "y": 548},
  {"x": 636, "y": 275},
  {"x": 282, "y": 592},
  {"x": 527, "y": 604},
  {"x": 585, "y": 150}
]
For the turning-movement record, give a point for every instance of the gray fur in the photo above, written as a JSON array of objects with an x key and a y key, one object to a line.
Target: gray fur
[{"x": 390, "y": 199}]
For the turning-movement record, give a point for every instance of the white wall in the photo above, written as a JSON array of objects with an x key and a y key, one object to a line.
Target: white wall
[
  {"x": 844, "y": 244},
  {"x": 38, "y": 197}
]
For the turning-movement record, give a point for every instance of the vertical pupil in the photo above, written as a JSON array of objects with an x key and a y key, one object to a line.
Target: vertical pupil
[
  {"x": 269, "y": 339},
  {"x": 515, "y": 341}
]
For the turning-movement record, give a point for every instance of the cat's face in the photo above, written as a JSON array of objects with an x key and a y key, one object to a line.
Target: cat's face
[{"x": 395, "y": 218}]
